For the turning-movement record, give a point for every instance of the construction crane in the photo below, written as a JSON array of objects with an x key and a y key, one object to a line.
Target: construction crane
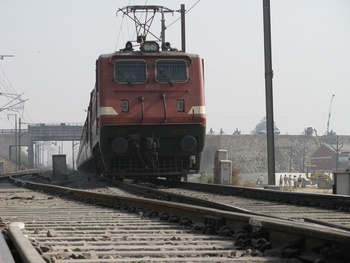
[{"x": 329, "y": 114}]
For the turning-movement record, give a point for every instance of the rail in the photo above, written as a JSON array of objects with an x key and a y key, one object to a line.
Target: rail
[
  {"x": 335, "y": 202},
  {"x": 23, "y": 246},
  {"x": 5, "y": 252},
  {"x": 278, "y": 231}
]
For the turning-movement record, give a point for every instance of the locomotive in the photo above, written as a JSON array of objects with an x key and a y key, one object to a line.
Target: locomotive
[{"x": 146, "y": 115}]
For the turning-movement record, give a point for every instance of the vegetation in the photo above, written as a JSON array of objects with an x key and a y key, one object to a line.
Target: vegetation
[
  {"x": 235, "y": 176},
  {"x": 24, "y": 159},
  {"x": 206, "y": 178},
  {"x": 209, "y": 178}
]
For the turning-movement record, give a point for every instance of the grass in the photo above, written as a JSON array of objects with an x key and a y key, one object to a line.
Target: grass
[
  {"x": 209, "y": 178},
  {"x": 204, "y": 178}
]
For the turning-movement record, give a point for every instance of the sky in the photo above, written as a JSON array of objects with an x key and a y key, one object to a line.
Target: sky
[{"x": 55, "y": 44}]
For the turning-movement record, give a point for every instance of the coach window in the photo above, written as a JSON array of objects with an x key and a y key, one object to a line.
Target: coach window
[
  {"x": 171, "y": 71},
  {"x": 130, "y": 71}
]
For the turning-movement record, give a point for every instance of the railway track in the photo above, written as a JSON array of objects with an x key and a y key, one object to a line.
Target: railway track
[
  {"x": 66, "y": 231},
  {"x": 323, "y": 209},
  {"x": 247, "y": 236}
]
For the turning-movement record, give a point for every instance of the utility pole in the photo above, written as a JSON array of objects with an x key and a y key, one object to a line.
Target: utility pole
[
  {"x": 73, "y": 155},
  {"x": 19, "y": 144},
  {"x": 16, "y": 150},
  {"x": 269, "y": 94},
  {"x": 337, "y": 150},
  {"x": 183, "y": 29}
]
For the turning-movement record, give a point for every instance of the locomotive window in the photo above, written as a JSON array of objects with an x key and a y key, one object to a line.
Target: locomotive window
[
  {"x": 130, "y": 71},
  {"x": 171, "y": 71}
]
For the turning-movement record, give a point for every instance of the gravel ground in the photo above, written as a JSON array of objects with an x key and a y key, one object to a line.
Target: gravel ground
[{"x": 99, "y": 184}]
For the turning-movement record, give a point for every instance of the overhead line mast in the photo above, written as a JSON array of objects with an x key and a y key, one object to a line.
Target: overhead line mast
[{"x": 269, "y": 94}]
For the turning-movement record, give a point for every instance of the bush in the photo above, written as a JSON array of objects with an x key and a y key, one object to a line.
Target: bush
[
  {"x": 204, "y": 178},
  {"x": 235, "y": 176}
]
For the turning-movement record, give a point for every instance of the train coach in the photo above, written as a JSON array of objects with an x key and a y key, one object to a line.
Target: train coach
[{"x": 146, "y": 115}]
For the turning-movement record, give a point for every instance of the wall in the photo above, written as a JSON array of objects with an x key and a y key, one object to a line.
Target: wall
[{"x": 248, "y": 153}]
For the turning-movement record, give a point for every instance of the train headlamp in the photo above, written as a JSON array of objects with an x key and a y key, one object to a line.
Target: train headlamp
[
  {"x": 128, "y": 45},
  {"x": 150, "y": 46}
]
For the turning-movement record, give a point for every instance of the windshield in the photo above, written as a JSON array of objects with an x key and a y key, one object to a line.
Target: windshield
[
  {"x": 171, "y": 71},
  {"x": 130, "y": 71}
]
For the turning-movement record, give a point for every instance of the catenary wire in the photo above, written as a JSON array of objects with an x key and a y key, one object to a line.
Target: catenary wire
[{"x": 185, "y": 13}]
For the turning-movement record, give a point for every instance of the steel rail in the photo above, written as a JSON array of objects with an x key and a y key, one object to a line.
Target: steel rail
[
  {"x": 280, "y": 231},
  {"x": 5, "y": 252},
  {"x": 330, "y": 201},
  {"x": 177, "y": 198},
  {"x": 23, "y": 246},
  {"x": 294, "y": 198},
  {"x": 183, "y": 198}
]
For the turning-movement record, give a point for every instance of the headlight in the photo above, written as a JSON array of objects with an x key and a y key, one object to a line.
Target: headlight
[
  {"x": 128, "y": 45},
  {"x": 150, "y": 46}
]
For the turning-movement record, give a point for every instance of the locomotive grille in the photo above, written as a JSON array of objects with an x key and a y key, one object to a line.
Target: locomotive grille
[{"x": 164, "y": 165}]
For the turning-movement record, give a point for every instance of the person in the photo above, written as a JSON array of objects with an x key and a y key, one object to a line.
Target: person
[
  {"x": 261, "y": 179},
  {"x": 300, "y": 180},
  {"x": 281, "y": 182},
  {"x": 295, "y": 182},
  {"x": 290, "y": 182},
  {"x": 285, "y": 181},
  {"x": 237, "y": 131}
]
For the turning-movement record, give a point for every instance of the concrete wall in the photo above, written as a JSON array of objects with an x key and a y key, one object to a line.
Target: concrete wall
[
  {"x": 248, "y": 153},
  {"x": 8, "y": 139}
]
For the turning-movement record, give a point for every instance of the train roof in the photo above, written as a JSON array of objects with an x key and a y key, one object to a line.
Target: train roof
[
  {"x": 149, "y": 48},
  {"x": 139, "y": 53}
]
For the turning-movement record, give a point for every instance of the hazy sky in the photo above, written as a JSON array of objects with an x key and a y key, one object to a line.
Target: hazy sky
[{"x": 55, "y": 45}]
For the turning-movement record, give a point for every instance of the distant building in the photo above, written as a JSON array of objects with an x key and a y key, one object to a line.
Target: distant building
[{"x": 325, "y": 158}]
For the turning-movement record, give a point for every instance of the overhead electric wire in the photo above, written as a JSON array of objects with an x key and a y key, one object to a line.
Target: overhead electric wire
[
  {"x": 8, "y": 87},
  {"x": 139, "y": 19},
  {"x": 119, "y": 33},
  {"x": 11, "y": 95},
  {"x": 6, "y": 90},
  {"x": 185, "y": 13}
]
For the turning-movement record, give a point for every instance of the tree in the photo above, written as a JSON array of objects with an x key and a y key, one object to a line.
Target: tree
[
  {"x": 260, "y": 128},
  {"x": 309, "y": 131}
]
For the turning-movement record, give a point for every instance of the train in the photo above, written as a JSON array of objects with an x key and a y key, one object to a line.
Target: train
[{"x": 146, "y": 115}]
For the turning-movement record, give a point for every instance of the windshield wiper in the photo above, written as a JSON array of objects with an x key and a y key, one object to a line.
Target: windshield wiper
[
  {"x": 161, "y": 72},
  {"x": 130, "y": 83}
]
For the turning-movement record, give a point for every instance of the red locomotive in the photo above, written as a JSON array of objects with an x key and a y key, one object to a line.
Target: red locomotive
[{"x": 146, "y": 116}]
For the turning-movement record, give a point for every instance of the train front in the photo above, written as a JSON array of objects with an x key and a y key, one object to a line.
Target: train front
[{"x": 151, "y": 112}]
